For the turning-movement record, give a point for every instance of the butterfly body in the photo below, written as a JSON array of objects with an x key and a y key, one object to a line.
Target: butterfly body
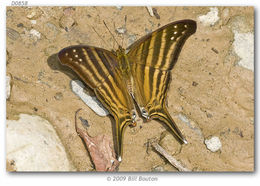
[
  {"x": 125, "y": 68},
  {"x": 142, "y": 75}
]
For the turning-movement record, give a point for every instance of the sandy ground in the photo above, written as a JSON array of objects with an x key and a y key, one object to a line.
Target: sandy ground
[{"x": 211, "y": 93}]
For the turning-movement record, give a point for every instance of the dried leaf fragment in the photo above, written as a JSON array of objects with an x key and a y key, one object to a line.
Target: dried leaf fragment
[{"x": 100, "y": 149}]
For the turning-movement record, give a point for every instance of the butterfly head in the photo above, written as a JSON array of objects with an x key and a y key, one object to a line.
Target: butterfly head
[
  {"x": 120, "y": 51},
  {"x": 123, "y": 61}
]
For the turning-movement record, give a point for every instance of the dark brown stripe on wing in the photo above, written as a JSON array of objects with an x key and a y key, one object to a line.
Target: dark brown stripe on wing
[
  {"x": 96, "y": 64},
  {"x": 156, "y": 48},
  {"x": 151, "y": 79},
  {"x": 145, "y": 50},
  {"x": 104, "y": 60}
]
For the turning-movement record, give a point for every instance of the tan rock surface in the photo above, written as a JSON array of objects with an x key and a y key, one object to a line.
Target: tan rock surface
[{"x": 208, "y": 86}]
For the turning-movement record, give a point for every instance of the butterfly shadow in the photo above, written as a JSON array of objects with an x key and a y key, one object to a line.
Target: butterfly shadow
[{"x": 54, "y": 63}]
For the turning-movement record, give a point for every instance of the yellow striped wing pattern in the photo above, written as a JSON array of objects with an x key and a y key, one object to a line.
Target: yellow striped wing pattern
[
  {"x": 152, "y": 59},
  {"x": 143, "y": 74}
]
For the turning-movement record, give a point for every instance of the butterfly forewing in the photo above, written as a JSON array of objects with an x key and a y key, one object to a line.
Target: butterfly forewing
[
  {"x": 98, "y": 68},
  {"x": 152, "y": 58},
  {"x": 160, "y": 49}
]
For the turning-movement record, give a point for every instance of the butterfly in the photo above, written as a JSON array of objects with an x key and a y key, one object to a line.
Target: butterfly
[{"x": 138, "y": 75}]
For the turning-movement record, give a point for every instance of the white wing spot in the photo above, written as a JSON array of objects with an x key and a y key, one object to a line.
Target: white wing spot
[
  {"x": 175, "y": 33},
  {"x": 185, "y": 26},
  {"x": 172, "y": 38},
  {"x": 70, "y": 59},
  {"x": 74, "y": 50},
  {"x": 80, "y": 60},
  {"x": 175, "y": 26},
  {"x": 66, "y": 54},
  {"x": 183, "y": 32},
  {"x": 76, "y": 56}
]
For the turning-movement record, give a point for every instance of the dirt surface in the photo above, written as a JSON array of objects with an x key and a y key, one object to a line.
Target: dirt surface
[{"x": 208, "y": 88}]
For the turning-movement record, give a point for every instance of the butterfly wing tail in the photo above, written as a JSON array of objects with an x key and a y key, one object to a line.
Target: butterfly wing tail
[
  {"x": 121, "y": 123},
  {"x": 163, "y": 115}
]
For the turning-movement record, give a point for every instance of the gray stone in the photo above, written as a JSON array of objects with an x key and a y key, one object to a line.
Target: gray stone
[
  {"x": 93, "y": 103},
  {"x": 8, "y": 87},
  {"x": 244, "y": 48},
  {"x": 210, "y": 18},
  {"x": 12, "y": 34},
  {"x": 33, "y": 144}
]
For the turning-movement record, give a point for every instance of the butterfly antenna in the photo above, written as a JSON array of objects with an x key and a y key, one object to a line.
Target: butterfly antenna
[
  {"x": 101, "y": 37},
  {"x": 124, "y": 35},
  {"x": 111, "y": 33}
]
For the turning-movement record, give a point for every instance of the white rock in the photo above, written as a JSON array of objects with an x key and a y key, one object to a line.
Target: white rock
[
  {"x": 213, "y": 144},
  {"x": 7, "y": 87},
  {"x": 119, "y": 7},
  {"x": 150, "y": 10},
  {"x": 244, "y": 48},
  {"x": 32, "y": 143},
  {"x": 31, "y": 15},
  {"x": 184, "y": 119},
  {"x": 191, "y": 124},
  {"x": 33, "y": 22},
  {"x": 210, "y": 18},
  {"x": 121, "y": 30},
  {"x": 225, "y": 12},
  {"x": 93, "y": 103},
  {"x": 35, "y": 33}
]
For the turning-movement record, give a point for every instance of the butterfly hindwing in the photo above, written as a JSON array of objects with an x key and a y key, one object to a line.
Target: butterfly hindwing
[
  {"x": 98, "y": 68},
  {"x": 152, "y": 58}
]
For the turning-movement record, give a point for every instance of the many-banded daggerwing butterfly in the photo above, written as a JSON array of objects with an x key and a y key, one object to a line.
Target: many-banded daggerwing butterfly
[{"x": 143, "y": 74}]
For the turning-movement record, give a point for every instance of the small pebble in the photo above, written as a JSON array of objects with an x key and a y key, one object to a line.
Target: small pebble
[
  {"x": 210, "y": 18},
  {"x": 119, "y": 7},
  {"x": 58, "y": 96},
  {"x": 34, "y": 13},
  {"x": 9, "y": 13},
  {"x": 158, "y": 169},
  {"x": 69, "y": 11},
  {"x": 213, "y": 144},
  {"x": 33, "y": 22},
  {"x": 20, "y": 25},
  {"x": 67, "y": 23},
  {"x": 194, "y": 83},
  {"x": 12, "y": 34},
  {"x": 121, "y": 30},
  {"x": 35, "y": 33},
  {"x": 8, "y": 86},
  {"x": 31, "y": 15}
]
